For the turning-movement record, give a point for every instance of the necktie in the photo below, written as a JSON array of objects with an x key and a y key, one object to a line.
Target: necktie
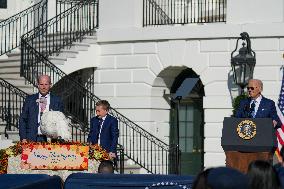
[
  {"x": 42, "y": 104},
  {"x": 99, "y": 127},
  {"x": 252, "y": 109}
]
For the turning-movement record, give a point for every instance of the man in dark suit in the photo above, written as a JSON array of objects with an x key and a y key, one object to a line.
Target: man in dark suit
[
  {"x": 33, "y": 107},
  {"x": 104, "y": 129},
  {"x": 257, "y": 106}
]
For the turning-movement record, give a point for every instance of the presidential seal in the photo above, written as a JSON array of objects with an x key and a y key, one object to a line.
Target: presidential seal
[{"x": 246, "y": 129}]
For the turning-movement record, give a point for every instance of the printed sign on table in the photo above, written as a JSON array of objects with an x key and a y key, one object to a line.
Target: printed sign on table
[{"x": 40, "y": 156}]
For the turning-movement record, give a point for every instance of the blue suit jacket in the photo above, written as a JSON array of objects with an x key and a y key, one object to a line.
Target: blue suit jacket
[
  {"x": 28, "y": 123},
  {"x": 109, "y": 133},
  {"x": 266, "y": 109}
]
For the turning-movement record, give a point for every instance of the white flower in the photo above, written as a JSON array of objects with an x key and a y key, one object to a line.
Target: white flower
[{"x": 55, "y": 124}]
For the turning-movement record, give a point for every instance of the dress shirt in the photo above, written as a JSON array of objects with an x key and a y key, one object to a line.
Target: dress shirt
[
  {"x": 101, "y": 127},
  {"x": 47, "y": 108},
  {"x": 256, "y": 102}
]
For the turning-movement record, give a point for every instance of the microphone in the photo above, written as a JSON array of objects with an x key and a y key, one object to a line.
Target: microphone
[
  {"x": 252, "y": 107},
  {"x": 247, "y": 111}
]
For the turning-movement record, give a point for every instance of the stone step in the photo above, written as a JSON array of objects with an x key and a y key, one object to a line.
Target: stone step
[
  {"x": 68, "y": 53},
  {"x": 11, "y": 70},
  {"x": 13, "y": 135},
  {"x": 10, "y": 75},
  {"x": 5, "y": 143},
  {"x": 79, "y": 46},
  {"x": 17, "y": 81},
  {"x": 89, "y": 39},
  {"x": 57, "y": 60},
  {"x": 14, "y": 54},
  {"x": 10, "y": 59}
]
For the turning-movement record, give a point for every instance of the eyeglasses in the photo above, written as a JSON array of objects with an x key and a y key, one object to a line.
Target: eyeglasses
[{"x": 250, "y": 88}]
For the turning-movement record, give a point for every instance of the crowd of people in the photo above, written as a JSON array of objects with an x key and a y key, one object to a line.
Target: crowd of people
[{"x": 260, "y": 174}]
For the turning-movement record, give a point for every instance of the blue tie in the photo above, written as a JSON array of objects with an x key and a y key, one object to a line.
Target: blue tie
[
  {"x": 99, "y": 128},
  {"x": 252, "y": 109}
]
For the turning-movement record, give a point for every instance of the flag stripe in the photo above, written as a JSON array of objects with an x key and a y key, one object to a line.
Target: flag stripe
[{"x": 280, "y": 110}]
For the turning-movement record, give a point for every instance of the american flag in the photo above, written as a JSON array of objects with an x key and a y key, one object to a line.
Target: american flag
[{"x": 280, "y": 111}]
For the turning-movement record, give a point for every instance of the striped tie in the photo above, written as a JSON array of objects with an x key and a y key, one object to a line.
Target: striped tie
[{"x": 252, "y": 109}]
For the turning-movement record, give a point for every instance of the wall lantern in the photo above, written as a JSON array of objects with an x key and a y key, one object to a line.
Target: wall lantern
[{"x": 243, "y": 63}]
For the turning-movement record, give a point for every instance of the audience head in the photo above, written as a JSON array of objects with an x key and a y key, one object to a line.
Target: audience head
[
  {"x": 254, "y": 88},
  {"x": 262, "y": 175},
  {"x": 226, "y": 178},
  {"x": 44, "y": 84},
  {"x": 200, "y": 181},
  {"x": 106, "y": 166},
  {"x": 102, "y": 108}
]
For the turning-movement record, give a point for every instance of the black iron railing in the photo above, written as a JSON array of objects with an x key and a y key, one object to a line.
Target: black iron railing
[
  {"x": 63, "y": 5},
  {"x": 64, "y": 29},
  {"x": 11, "y": 102},
  {"x": 165, "y": 12},
  {"x": 15, "y": 26}
]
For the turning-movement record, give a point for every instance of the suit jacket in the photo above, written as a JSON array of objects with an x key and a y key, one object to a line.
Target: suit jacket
[
  {"x": 109, "y": 133},
  {"x": 28, "y": 123},
  {"x": 266, "y": 109}
]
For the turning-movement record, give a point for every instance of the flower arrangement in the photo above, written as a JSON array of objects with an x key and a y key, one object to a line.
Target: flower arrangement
[
  {"x": 96, "y": 152},
  {"x": 6, "y": 153}
]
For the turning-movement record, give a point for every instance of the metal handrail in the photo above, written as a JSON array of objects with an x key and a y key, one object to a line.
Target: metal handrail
[
  {"x": 15, "y": 26},
  {"x": 11, "y": 101},
  {"x": 139, "y": 145},
  {"x": 165, "y": 12},
  {"x": 148, "y": 7},
  {"x": 64, "y": 29}
]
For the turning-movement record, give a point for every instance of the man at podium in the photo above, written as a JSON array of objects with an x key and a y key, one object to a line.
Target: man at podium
[
  {"x": 261, "y": 142},
  {"x": 257, "y": 106}
]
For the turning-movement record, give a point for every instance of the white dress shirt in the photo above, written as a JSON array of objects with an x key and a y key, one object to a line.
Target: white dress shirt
[{"x": 46, "y": 109}]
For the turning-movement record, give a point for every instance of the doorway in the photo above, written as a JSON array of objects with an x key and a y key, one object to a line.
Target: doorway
[{"x": 187, "y": 116}]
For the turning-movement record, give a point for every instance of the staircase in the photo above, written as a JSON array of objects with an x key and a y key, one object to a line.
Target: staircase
[{"x": 45, "y": 50}]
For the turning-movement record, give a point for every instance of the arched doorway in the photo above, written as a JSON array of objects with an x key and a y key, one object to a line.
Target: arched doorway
[{"x": 187, "y": 116}]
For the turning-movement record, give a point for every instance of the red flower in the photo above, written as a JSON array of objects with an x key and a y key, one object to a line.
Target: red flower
[{"x": 25, "y": 157}]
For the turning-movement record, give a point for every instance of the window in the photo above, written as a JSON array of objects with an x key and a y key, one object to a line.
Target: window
[{"x": 3, "y": 4}]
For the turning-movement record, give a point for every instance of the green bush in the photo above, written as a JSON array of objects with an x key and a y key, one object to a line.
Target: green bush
[{"x": 236, "y": 102}]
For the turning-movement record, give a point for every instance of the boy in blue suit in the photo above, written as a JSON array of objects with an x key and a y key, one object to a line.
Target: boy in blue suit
[
  {"x": 104, "y": 129},
  {"x": 257, "y": 106},
  {"x": 34, "y": 105}
]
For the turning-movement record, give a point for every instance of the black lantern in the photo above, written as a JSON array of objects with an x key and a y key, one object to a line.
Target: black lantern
[{"x": 243, "y": 63}]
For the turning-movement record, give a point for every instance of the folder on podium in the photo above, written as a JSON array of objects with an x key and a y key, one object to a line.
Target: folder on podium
[{"x": 247, "y": 139}]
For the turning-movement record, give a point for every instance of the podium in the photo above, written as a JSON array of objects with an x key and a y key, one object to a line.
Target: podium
[{"x": 245, "y": 140}]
